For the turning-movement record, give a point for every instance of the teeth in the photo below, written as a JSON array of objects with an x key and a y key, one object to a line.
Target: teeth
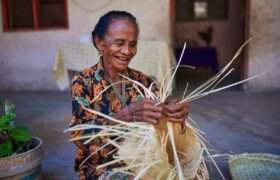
[{"x": 122, "y": 59}]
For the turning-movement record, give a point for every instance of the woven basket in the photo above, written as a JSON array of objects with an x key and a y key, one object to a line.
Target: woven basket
[{"x": 256, "y": 166}]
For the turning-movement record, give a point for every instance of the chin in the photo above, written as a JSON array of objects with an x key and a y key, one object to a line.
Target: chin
[{"x": 121, "y": 68}]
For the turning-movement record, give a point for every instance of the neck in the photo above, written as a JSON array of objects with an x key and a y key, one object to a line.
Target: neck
[
  {"x": 110, "y": 72},
  {"x": 112, "y": 75}
]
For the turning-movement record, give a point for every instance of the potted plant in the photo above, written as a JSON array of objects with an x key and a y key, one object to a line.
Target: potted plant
[{"x": 20, "y": 153}]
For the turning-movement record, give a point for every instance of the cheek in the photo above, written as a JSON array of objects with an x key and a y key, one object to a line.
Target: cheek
[
  {"x": 114, "y": 50},
  {"x": 134, "y": 51},
  {"x": 110, "y": 52}
]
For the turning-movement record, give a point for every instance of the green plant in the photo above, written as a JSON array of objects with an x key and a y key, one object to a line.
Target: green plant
[{"x": 13, "y": 139}]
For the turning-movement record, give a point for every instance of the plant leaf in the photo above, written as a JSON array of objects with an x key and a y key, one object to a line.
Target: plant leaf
[
  {"x": 20, "y": 134},
  {"x": 6, "y": 148},
  {"x": 8, "y": 116},
  {"x": 5, "y": 120},
  {"x": 9, "y": 108}
]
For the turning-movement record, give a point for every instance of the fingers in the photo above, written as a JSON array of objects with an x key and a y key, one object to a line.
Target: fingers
[
  {"x": 177, "y": 115},
  {"x": 173, "y": 108},
  {"x": 151, "y": 106},
  {"x": 145, "y": 105},
  {"x": 145, "y": 119},
  {"x": 177, "y": 111},
  {"x": 145, "y": 114},
  {"x": 146, "y": 111}
]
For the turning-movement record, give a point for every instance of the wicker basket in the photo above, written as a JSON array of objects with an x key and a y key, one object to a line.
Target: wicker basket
[{"x": 256, "y": 166}]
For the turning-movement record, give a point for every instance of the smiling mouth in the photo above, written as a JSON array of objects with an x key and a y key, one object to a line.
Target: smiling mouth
[{"x": 123, "y": 60}]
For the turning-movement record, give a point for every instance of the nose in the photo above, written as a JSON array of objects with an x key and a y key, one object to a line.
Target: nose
[{"x": 126, "y": 50}]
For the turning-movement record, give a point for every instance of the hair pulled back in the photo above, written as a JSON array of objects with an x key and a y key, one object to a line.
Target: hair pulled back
[{"x": 104, "y": 22}]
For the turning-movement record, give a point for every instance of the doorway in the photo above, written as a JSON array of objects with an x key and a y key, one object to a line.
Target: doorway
[{"x": 213, "y": 30}]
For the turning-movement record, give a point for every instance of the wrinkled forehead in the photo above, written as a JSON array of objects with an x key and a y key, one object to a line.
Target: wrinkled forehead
[
  {"x": 122, "y": 29},
  {"x": 122, "y": 25}
]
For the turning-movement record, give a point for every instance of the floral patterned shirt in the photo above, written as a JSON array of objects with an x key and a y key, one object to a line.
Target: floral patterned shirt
[{"x": 88, "y": 84}]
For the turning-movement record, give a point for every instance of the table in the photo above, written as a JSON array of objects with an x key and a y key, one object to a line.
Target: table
[
  {"x": 154, "y": 58},
  {"x": 200, "y": 57}
]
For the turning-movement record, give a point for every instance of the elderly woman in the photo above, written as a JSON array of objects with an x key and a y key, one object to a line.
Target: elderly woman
[{"x": 115, "y": 37}]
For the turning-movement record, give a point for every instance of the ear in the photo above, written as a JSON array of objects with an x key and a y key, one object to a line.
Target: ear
[{"x": 99, "y": 43}]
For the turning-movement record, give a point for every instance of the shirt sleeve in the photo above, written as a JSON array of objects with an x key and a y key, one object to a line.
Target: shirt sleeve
[{"x": 80, "y": 90}]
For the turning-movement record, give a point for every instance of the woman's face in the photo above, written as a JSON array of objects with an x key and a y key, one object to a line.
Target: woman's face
[{"x": 119, "y": 44}]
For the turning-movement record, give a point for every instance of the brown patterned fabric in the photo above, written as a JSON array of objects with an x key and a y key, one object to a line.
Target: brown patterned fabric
[{"x": 88, "y": 84}]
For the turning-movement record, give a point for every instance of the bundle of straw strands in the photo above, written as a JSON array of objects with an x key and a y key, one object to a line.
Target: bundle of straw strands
[{"x": 163, "y": 151}]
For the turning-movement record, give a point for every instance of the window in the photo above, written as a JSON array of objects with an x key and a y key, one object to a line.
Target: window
[
  {"x": 197, "y": 10},
  {"x": 34, "y": 14},
  {"x": 200, "y": 9}
]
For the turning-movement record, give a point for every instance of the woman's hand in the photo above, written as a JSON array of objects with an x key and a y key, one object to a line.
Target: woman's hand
[
  {"x": 176, "y": 112},
  {"x": 146, "y": 111},
  {"x": 142, "y": 111}
]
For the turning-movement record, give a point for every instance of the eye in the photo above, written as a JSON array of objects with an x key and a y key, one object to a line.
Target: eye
[
  {"x": 133, "y": 44},
  {"x": 119, "y": 43}
]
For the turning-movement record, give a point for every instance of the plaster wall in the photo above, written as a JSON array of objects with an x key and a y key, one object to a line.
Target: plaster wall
[
  {"x": 263, "y": 53},
  {"x": 27, "y": 58},
  {"x": 228, "y": 34}
]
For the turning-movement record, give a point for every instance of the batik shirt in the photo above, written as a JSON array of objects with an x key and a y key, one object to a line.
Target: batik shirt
[{"x": 87, "y": 85}]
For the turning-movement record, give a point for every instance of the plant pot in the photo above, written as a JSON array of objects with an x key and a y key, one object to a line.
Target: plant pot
[{"x": 25, "y": 165}]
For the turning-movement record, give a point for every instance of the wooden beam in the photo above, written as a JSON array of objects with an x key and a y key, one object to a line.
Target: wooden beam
[
  {"x": 66, "y": 16},
  {"x": 35, "y": 14},
  {"x": 5, "y": 15}
]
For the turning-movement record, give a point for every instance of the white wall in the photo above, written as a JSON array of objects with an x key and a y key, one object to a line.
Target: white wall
[
  {"x": 263, "y": 53},
  {"x": 27, "y": 58}
]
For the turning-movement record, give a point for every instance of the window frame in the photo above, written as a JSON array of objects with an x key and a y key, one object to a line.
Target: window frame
[{"x": 35, "y": 15}]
